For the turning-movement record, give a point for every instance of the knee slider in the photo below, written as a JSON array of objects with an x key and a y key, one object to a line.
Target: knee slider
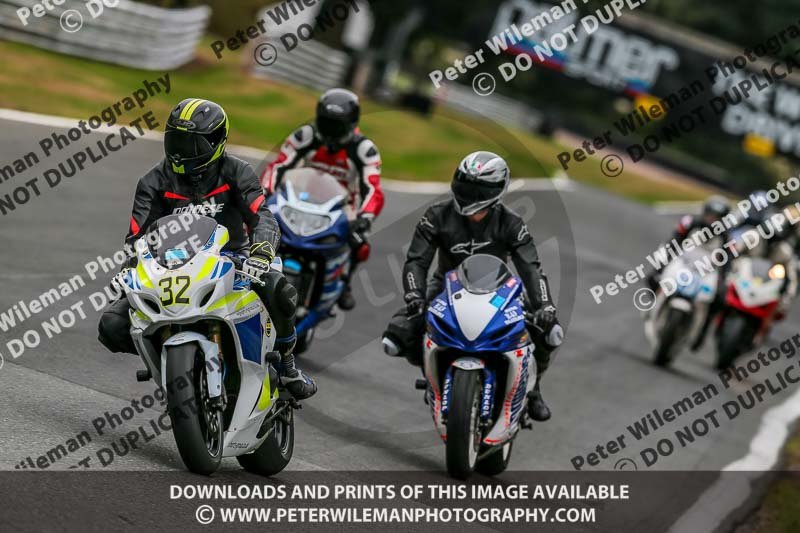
[
  {"x": 113, "y": 332},
  {"x": 287, "y": 298},
  {"x": 281, "y": 292}
]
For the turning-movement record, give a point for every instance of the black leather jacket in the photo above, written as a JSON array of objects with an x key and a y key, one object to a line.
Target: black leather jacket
[
  {"x": 501, "y": 233},
  {"x": 229, "y": 192}
]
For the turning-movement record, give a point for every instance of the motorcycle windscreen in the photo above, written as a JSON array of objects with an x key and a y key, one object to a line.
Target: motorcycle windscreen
[
  {"x": 175, "y": 239},
  {"x": 314, "y": 186},
  {"x": 482, "y": 274}
]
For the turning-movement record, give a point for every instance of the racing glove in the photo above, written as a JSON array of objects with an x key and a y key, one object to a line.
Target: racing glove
[
  {"x": 415, "y": 304},
  {"x": 118, "y": 284},
  {"x": 545, "y": 318},
  {"x": 359, "y": 229},
  {"x": 261, "y": 256}
]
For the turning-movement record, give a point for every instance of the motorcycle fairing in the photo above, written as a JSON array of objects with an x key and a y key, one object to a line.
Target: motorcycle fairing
[{"x": 213, "y": 293}]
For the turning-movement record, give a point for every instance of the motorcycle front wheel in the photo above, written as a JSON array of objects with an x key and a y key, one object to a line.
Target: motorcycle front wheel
[
  {"x": 463, "y": 428},
  {"x": 733, "y": 338},
  {"x": 197, "y": 427},
  {"x": 673, "y": 323},
  {"x": 497, "y": 462}
]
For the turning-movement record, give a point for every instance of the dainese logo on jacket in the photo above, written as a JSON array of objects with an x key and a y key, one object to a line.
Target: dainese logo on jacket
[{"x": 204, "y": 209}]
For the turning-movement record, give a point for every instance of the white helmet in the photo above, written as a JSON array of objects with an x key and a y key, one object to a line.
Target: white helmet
[{"x": 480, "y": 181}]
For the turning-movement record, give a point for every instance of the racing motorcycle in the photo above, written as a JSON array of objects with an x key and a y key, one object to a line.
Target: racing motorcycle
[
  {"x": 478, "y": 365},
  {"x": 312, "y": 210},
  {"x": 207, "y": 339},
  {"x": 677, "y": 318},
  {"x": 755, "y": 286}
]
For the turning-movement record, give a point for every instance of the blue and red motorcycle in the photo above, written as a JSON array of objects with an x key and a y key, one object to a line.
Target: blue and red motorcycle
[
  {"x": 478, "y": 365},
  {"x": 312, "y": 210}
]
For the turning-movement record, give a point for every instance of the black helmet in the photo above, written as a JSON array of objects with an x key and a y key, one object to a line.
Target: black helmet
[
  {"x": 195, "y": 136},
  {"x": 338, "y": 112},
  {"x": 757, "y": 213},
  {"x": 716, "y": 207},
  {"x": 479, "y": 182}
]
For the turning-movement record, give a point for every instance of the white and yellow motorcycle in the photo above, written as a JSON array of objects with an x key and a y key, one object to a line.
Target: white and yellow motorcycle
[{"x": 208, "y": 340}]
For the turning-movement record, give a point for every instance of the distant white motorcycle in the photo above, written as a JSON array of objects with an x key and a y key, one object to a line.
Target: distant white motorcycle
[
  {"x": 207, "y": 339},
  {"x": 677, "y": 318}
]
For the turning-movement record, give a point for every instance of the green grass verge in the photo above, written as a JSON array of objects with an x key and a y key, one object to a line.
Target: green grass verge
[
  {"x": 779, "y": 512},
  {"x": 263, "y": 112}
]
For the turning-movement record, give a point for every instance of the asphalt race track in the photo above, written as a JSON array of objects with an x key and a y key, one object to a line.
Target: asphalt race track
[{"x": 367, "y": 414}]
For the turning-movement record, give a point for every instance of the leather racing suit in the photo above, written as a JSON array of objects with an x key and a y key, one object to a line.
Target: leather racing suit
[
  {"x": 230, "y": 193},
  {"x": 501, "y": 233}
]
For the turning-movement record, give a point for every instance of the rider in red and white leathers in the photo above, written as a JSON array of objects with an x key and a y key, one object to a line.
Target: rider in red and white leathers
[{"x": 333, "y": 144}]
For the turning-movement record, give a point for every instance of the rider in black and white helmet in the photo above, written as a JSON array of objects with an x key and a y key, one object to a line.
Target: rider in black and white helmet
[
  {"x": 480, "y": 181},
  {"x": 474, "y": 221}
]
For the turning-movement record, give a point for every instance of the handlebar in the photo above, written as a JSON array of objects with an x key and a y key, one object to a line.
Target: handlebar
[{"x": 250, "y": 278}]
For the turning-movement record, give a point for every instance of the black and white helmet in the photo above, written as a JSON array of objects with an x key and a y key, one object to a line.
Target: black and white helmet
[{"x": 480, "y": 181}]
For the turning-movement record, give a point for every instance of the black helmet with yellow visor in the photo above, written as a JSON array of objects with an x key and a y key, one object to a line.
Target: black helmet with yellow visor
[{"x": 195, "y": 136}]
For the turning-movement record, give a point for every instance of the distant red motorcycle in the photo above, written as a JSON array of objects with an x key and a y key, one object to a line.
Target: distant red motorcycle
[{"x": 755, "y": 287}]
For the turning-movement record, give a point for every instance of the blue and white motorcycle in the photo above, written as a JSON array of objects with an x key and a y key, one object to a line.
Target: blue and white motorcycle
[
  {"x": 312, "y": 210},
  {"x": 479, "y": 365}
]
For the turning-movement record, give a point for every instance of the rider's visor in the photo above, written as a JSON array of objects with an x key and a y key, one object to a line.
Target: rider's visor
[
  {"x": 334, "y": 129},
  {"x": 184, "y": 146}
]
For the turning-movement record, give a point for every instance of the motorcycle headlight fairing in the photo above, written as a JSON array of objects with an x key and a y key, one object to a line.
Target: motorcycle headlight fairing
[
  {"x": 777, "y": 271},
  {"x": 303, "y": 223}
]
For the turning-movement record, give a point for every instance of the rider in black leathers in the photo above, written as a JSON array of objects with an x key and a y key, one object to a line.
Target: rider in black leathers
[
  {"x": 197, "y": 176},
  {"x": 474, "y": 221}
]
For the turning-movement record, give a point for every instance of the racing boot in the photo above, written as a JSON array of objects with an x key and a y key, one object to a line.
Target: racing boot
[
  {"x": 299, "y": 385},
  {"x": 346, "y": 301},
  {"x": 537, "y": 408}
]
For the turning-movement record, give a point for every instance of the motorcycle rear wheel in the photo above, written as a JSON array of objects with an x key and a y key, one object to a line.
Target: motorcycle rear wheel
[
  {"x": 276, "y": 451},
  {"x": 198, "y": 429},
  {"x": 463, "y": 428}
]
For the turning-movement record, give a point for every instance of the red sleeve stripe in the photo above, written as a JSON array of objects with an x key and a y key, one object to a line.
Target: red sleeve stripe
[
  {"x": 218, "y": 190},
  {"x": 257, "y": 203},
  {"x": 268, "y": 176},
  {"x": 134, "y": 226},
  {"x": 174, "y": 196},
  {"x": 373, "y": 201}
]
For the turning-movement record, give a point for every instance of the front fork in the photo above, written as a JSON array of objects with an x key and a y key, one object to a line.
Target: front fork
[
  {"x": 215, "y": 336},
  {"x": 487, "y": 395}
]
